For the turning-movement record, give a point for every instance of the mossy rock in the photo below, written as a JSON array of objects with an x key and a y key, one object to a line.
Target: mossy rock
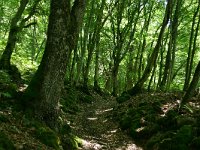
[
  {"x": 123, "y": 98},
  {"x": 168, "y": 122},
  {"x": 69, "y": 142},
  {"x": 185, "y": 120},
  {"x": 131, "y": 111},
  {"x": 65, "y": 129},
  {"x": 179, "y": 141},
  {"x": 153, "y": 142},
  {"x": 69, "y": 105},
  {"x": 5, "y": 142},
  {"x": 184, "y": 134},
  {"x": 145, "y": 132},
  {"x": 170, "y": 144},
  {"x": 86, "y": 98},
  {"x": 5, "y": 77},
  {"x": 3, "y": 118},
  {"x": 195, "y": 143},
  {"x": 125, "y": 122},
  {"x": 48, "y": 137}
]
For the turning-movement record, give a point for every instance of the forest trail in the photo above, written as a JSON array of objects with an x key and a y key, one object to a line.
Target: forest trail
[{"x": 95, "y": 127}]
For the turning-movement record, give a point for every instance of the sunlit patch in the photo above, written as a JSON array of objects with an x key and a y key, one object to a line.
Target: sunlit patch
[
  {"x": 178, "y": 101},
  {"x": 23, "y": 87},
  {"x": 194, "y": 104},
  {"x": 105, "y": 120},
  {"x": 139, "y": 129},
  {"x": 92, "y": 119},
  {"x": 90, "y": 145},
  {"x": 168, "y": 106},
  {"x": 142, "y": 120},
  {"x": 98, "y": 112},
  {"x": 113, "y": 131},
  {"x": 130, "y": 147}
]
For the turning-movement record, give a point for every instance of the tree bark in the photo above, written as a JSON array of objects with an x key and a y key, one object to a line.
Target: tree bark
[
  {"x": 44, "y": 91},
  {"x": 192, "y": 85},
  {"x": 192, "y": 48}
]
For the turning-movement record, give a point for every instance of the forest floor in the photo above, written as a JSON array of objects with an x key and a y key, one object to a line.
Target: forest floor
[
  {"x": 95, "y": 126},
  {"x": 149, "y": 120}
]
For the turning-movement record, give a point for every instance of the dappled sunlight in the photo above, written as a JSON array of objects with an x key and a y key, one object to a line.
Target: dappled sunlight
[
  {"x": 98, "y": 130},
  {"x": 168, "y": 106},
  {"x": 105, "y": 120},
  {"x": 23, "y": 87},
  {"x": 99, "y": 112},
  {"x": 93, "y": 145},
  {"x": 90, "y": 145},
  {"x": 194, "y": 104},
  {"x": 139, "y": 129},
  {"x": 130, "y": 147},
  {"x": 92, "y": 118}
]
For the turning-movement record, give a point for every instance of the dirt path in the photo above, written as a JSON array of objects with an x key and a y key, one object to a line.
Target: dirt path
[{"x": 95, "y": 126}]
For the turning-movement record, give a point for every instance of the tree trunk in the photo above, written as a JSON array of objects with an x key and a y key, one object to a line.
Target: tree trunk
[
  {"x": 15, "y": 27},
  {"x": 43, "y": 93},
  {"x": 192, "y": 85},
  {"x": 152, "y": 60},
  {"x": 192, "y": 49}
]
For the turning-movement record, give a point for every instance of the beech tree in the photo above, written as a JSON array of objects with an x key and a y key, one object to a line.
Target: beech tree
[
  {"x": 16, "y": 26},
  {"x": 148, "y": 44},
  {"x": 44, "y": 90}
]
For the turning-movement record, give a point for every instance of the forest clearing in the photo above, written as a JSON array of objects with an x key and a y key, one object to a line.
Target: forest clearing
[{"x": 99, "y": 74}]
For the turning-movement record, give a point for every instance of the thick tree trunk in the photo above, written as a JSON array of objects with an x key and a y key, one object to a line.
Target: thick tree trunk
[{"x": 44, "y": 91}]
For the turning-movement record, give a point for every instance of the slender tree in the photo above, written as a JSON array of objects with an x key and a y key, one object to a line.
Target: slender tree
[
  {"x": 16, "y": 26},
  {"x": 192, "y": 86},
  {"x": 170, "y": 58},
  {"x": 152, "y": 60},
  {"x": 192, "y": 47}
]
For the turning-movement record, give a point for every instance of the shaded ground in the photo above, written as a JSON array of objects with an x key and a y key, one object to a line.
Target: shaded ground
[
  {"x": 152, "y": 119},
  {"x": 155, "y": 121},
  {"x": 96, "y": 128}
]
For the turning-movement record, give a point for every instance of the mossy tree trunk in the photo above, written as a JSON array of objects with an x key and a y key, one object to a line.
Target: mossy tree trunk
[
  {"x": 192, "y": 85},
  {"x": 44, "y": 91}
]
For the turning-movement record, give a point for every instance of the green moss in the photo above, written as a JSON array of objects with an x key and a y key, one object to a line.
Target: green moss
[
  {"x": 184, "y": 135},
  {"x": 4, "y": 77},
  {"x": 125, "y": 122},
  {"x": 123, "y": 98},
  {"x": 168, "y": 122},
  {"x": 3, "y": 118},
  {"x": 195, "y": 143},
  {"x": 154, "y": 141},
  {"x": 48, "y": 137},
  {"x": 145, "y": 132},
  {"x": 185, "y": 120},
  {"x": 66, "y": 129},
  {"x": 86, "y": 98},
  {"x": 70, "y": 142},
  {"x": 5, "y": 142}
]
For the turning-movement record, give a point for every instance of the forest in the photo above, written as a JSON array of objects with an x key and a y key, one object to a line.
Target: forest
[{"x": 99, "y": 75}]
